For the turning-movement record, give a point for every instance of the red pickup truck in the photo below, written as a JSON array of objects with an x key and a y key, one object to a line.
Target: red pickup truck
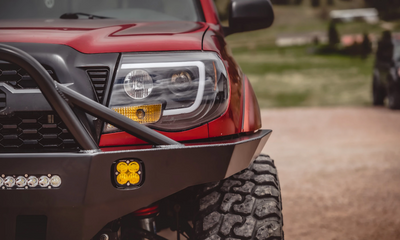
[{"x": 121, "y": 118}]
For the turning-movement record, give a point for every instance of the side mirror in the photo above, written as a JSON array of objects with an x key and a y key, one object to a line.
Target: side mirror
[{"x": 249, "y": 15}]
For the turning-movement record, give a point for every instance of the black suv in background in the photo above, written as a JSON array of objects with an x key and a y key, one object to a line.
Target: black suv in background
[{"x": 386, "y": 74}]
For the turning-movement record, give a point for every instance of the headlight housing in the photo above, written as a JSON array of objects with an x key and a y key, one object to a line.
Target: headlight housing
[{"x": 170, "y": 91}]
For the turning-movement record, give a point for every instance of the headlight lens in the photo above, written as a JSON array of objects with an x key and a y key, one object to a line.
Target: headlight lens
[
  {"x": 170, "y": 91},
  {"x": 138, "y": 84}
]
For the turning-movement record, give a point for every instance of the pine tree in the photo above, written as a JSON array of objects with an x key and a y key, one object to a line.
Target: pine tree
[
  {"x": 298, "y": 2},
  {"x": 315, "y": 3},
  {"x": 366, "y": 46},
  {"x": 333, "y": 34}
]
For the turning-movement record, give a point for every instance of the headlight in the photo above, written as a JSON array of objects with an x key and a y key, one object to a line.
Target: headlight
[{"x": 170, "y": 91}]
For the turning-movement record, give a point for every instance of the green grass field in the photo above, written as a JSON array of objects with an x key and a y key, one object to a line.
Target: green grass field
[
  {"x": 283, "y": 77},
  {"x": 292, "y": 76}
]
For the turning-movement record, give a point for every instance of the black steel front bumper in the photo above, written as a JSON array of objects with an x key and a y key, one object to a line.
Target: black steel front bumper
[{"x": 87, "y": 198}]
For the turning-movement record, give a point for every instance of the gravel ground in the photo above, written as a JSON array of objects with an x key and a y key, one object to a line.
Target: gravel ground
[{"x": 339, "y": 170}]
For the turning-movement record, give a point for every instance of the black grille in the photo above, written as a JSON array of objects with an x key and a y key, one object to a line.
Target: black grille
[
  {"x": 2, "y": 100},
  {"x": 35, "y": 130},
  {"x": 17, "y": 77},
  {"x": 99, "y": 77}
]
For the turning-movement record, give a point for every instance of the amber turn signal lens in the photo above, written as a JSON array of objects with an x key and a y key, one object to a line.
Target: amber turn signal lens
[{"x": 141, "y": 114}]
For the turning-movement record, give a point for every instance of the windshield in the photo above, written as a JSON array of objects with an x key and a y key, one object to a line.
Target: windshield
[{"x": 138, "y": 10}]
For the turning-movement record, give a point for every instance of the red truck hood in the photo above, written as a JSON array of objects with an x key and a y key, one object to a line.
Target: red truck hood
[{"x": 106, "y": 35}]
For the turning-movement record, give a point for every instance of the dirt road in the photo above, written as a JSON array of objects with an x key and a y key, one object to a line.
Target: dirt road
[{"x": 339, "y": 171}]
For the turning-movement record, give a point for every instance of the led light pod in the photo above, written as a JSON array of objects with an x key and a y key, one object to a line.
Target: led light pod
[
  {"x": 33, "y": 181},
  {"x": 21, "y": 181},
  {"x": 122, "y": 178},
  {"x": 55, "y": 181},
  {"x": 134, "y": 178},
  {"x": 9, "y": 182},
  {"x": 122, "y": 167},
  {"x": 44, "y": 181},
  {"x": 128, "y": 174},
  {"x": 133, "y": 167}
]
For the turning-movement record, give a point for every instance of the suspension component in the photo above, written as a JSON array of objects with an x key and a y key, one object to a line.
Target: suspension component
[{"x": 147, "y": 219}]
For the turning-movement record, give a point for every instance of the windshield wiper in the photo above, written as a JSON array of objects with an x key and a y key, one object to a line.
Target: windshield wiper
[{"x": 76, "y": 16}]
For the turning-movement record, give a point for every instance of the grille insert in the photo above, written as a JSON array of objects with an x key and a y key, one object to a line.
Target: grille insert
[
  {"x": 35, "y": 130},
  {"x": 17, "y": 77},
  {"x": 2, "y": 100},
  {"x": 99, "y": 77}
]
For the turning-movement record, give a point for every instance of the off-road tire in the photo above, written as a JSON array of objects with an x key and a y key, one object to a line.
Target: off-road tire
[
  {"x": 246, "y": 205},
  {"x": 378, "y": 92}
]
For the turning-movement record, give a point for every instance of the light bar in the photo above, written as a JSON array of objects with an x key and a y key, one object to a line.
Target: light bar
[{"x": 26, "y": 181}]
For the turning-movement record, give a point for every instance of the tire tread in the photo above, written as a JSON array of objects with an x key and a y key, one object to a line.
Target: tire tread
[{"x": 248, "y": 205}]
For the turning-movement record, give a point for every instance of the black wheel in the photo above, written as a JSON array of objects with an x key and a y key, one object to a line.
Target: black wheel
[
  {"x": 378, "y": 92},
  {"x": 394, "y": 97},
  {"x": 247, "y": 205}
]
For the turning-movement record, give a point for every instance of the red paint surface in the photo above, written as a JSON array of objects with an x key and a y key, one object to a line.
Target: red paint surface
[
  {"x": 123, "y": 138},
  {"x": 103, "y": 36},
  {"x": 231, "y": 122},
  {"x": 251, "y": 114},
  {"x": 210, "y": 13}
]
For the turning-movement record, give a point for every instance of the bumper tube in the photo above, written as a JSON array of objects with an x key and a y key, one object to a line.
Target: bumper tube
[{"x": 87, "y": 199}]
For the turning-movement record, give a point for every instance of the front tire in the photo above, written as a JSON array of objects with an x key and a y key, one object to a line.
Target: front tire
[{"x": 246, "y": 205}]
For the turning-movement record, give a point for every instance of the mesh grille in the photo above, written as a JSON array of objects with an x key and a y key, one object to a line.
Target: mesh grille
[
  {"x": 17, "y": 77},
  {"x": 99, "y": 77},
  {"x": 35, "y": 130},
  {"x": 2, "y": 100}
]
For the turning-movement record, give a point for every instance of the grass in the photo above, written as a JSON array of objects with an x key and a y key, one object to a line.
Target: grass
[
  {"x": 293, "y": 76},
  {"x": 283, "y": 77}
]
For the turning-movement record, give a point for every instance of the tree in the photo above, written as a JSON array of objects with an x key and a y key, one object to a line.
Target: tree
[
  {"x": 366, "y": 46},
  {"x": 388, "y": 9},
  {"x": 333, "y": 34},
  {"x": 298, "y": 2},
  {"x": 315, "y": 3},
  {"x": 280, "y": 2}
]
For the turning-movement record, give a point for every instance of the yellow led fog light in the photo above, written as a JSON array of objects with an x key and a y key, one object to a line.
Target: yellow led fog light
[
  {"x": 141, "y": 114},
  {"x": 134, "y": 178},
  {"x": 122, "y": 178},
  {"x": 122, "y": 167},
  {"x": 128, "y": 173},
  {"x": 133, "y": 167}
]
